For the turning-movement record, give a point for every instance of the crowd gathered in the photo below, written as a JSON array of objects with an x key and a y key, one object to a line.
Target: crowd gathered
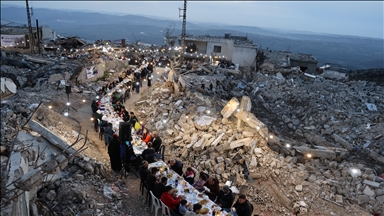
[
  {"x": 201, "y": 181},
  {"x": 115, "y": 94}
]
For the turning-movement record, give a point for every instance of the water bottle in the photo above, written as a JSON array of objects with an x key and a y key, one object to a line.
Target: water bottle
[{"x": 176, "y": 182}]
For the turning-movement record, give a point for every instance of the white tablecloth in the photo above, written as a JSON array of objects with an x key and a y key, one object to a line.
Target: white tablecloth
[{"x": 192, "y": 196}]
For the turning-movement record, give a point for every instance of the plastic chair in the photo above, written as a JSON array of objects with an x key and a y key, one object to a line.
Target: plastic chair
[
  {"x": 161, "y": 153},
  {"x": 165, "y": 210},
  {"x": 147, "y": 197},
  {"x": 155, "y": 203}
]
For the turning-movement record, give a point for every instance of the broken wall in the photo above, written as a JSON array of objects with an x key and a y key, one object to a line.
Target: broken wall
[
  {"x": 244, "y": 56},
  {"x": 101, "y": 67}
]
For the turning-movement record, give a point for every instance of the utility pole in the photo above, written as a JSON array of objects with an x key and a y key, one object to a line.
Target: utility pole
[
  {"x": 31, "y": 39},
  {"x": 38, "y": 35},
  {"x": 183, "y": 29}
]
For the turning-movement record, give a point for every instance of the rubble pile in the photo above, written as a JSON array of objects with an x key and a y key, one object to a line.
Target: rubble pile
[{"x": 328, "y": 119}]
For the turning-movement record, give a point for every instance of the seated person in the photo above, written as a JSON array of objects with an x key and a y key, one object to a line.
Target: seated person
[
  {"x": 151, "y": 179},
  {"x": 196, "y": 210},
  {"x": 156, "y": 141},
  {"x": 143, "y": 170},
  {"x": 199, "y": 184},
  {"x": 225, "y": 198},
  {"x": 146, "y": 137},
  {"x": 243, "y": 206},
  {"x": 149, "y": 154},
  {"x": 189, "y": 175},
  {"x": 183, "y": 208},
  {"x": 176, "y": 166},
  {"x": 160, "y": 188},
  {"x": 213, "y": 188},
  {"x": 169, "y": 199}
]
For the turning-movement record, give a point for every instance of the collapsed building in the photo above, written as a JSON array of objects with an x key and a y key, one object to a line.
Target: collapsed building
[{"x": 291, "y": 141}]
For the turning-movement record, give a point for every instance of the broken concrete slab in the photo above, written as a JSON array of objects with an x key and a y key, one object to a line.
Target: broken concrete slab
[{"x": 230, "y": 107}]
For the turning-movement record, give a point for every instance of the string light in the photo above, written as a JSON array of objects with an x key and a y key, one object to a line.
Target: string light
[
  {"x": 68, "y": 103},
  {"x": 92, "y": 119},
  {"x": 97, "y": 97},
  {"x": 165, "y": 121},
  {"x": 50, "y": 107},
  {"x": 309, "y": 155},
  {"x": 288, "y": 145},
  {"x": 66, "y": 114},
  {"x": 83, "y": 101},
  {"x": 271, "y": 136},
  {"x": 186, "y": 117}
]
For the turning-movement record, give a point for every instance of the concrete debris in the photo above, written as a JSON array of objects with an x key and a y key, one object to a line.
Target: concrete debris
[{"x": 292, "y": 142}]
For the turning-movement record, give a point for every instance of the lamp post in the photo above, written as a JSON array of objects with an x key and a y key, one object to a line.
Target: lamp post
[{"x": 68, "y": 90}]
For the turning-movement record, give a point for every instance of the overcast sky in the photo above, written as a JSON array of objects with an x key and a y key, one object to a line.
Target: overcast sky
[{"x": 365, "y": 18}]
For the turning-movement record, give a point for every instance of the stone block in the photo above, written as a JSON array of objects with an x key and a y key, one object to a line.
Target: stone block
[
  {"x": 339, "y": 199},
  {"x": 372, "y": 184},
  {"x": 368, "y": 191},
  {"x": 230, "y": 107},
  {"x": 299, "y": 188}
]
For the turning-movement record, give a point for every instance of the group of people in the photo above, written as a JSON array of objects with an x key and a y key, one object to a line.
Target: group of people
[
  {"x": 117, "y": 148},
  {"x": 205, "y": 184}
]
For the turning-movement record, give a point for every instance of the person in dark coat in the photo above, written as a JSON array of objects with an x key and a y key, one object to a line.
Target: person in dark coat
[
  {"x": 114, "y": 153},
  {"x": 213, "y": 185},
  {"x": 243, "y": 207},
  {"x": 143, "y": 170},
  {"x": 225, "y": 198},
  {"x": 156, "y": 141},
  {"x": 160, "y": 188},
  {"x": 149, "y": 154},
  {"x": 151, "y": 179},
  {"x": 176, "y": 166}
]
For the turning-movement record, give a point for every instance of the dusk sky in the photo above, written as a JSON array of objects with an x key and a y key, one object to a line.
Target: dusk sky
[{"x": 360, "y": 18}]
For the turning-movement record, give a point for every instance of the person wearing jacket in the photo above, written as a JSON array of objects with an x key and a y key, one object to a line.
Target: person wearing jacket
[
  {"x": 156, "y": 141},
  {"x": 213, "y": 185},
  {"x": 190, "y": 174},
  {"x": 225, "y": 198},
  {"x": 176, "y": 166},
  {"x": 169, "y": 200},
  {"x": 199, "y": 184},
  {"x": 243, "y": 207},
  {"x": 114, "y": 152}
]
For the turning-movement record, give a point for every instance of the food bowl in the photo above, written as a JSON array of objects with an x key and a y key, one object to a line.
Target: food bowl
[
  {"x": 203, "y": 202},
  {"x": 204, "y": 211}
]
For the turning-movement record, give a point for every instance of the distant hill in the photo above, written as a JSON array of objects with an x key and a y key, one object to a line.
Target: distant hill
[{"x": 349, "y": 51}]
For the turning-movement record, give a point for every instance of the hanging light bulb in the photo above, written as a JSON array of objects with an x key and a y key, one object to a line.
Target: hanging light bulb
[
  {"x": 68, "y": 103},
  {"x": 309, "y": 155},
  {"x": 288, "y": 145},
  {"x": 92, "y": 119},
  {"x": 50, "y": 107},
  {"x": 66, "y": 114},
  {"x": 83, "y": 101}
]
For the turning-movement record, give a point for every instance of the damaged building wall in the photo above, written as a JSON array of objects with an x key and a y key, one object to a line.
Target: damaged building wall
[
  {"x": 308, "y": 67},
  {"x": 101, "y": 67},
  {"x": 244, "y": 55},
  {"x": 226, "y": 48}
]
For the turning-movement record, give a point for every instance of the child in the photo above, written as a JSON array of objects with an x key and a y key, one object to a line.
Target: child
[
  {"x": 183, "y": 208},
  {"x": 189, "y": 175}
]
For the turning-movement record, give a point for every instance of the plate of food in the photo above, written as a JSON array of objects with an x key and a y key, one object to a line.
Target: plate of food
[
  {"x": 203, "y": 202},
  {"x": 169, "y": 175},
  {"x": 204, "y": 211},
  {"x": 200, "y": 195},
  {"x": 186, "y": 190}
]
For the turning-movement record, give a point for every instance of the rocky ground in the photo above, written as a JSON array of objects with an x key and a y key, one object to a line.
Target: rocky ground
[{"x": 340, "y": 123}]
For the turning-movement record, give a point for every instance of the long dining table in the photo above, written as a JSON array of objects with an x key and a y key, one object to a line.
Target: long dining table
[{"x": 188, "y": 191}]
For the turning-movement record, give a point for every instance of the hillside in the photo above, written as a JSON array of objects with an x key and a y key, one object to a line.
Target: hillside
[{"x": 351, "y": 52}]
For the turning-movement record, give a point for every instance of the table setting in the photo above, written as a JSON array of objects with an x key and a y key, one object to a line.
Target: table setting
[{"x": 187, "y": 191}]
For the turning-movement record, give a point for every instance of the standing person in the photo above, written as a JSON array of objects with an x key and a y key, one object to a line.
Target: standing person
[
  {"x": 225, "y": 198},
  {"x": 149, "y": 82},
  {"x": 114, "y": 153},
  {"x": 133, "y": 118},
  {"x": 242, "y": 207}
]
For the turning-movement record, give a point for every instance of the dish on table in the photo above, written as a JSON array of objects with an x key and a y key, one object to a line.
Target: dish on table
[
  {"x": 200, "y": 195},
  {"x": 169, "y": 175},
  {"x": 186, "y": 190},
  {"x": 204, "y": 211},
  {"x": 203, "y": 202}
]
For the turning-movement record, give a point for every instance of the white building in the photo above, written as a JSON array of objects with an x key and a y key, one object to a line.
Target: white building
[{"x": 238, "y": 49}]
